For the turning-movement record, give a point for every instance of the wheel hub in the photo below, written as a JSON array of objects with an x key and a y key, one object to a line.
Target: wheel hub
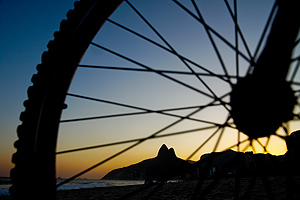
[{"x": 259, "y": 108}]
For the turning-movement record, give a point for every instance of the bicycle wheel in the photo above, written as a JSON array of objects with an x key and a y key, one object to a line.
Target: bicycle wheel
[{"x": 137, "y": 45}]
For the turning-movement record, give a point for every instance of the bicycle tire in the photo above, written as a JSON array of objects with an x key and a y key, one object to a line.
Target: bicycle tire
[{"x": 35, "y": 156}]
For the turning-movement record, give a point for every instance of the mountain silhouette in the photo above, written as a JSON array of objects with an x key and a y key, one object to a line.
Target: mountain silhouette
[
  {"x": 166, "y": 165},
  {"x": 158, "y": 168}
]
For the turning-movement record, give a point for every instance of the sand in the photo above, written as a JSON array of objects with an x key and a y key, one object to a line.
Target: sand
[
  {"x": 184, "y": 189},
  {"x": 179, "y": 191}
]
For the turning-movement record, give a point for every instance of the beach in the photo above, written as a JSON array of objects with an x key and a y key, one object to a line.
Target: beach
[
  {"x": 183, "y": 190},
  {"x": 171, "y": 190},
  {"x": 180, "y": 190}
]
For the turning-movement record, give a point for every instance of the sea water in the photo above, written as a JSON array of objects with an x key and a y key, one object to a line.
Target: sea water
[
  {"x": 5, "y": 183},
  {"x": 91, "y": 183},
  {"x": 82, "y": 183}
]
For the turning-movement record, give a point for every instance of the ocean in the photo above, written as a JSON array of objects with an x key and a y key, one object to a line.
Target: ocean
[{"x": 81, "y": 183}]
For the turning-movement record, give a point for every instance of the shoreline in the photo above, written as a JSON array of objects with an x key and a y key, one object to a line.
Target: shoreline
[
  {"x": 171, "y": 190},
  {"x": 181, "y": 190}
]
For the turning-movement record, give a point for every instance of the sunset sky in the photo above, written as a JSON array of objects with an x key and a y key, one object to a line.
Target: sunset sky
[{"x": 27, "y": 28}]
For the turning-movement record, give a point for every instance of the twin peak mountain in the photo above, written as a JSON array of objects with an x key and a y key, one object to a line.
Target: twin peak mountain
[
  {"x": 166, "y": 164},
  {"x": 153, "y": 168}
]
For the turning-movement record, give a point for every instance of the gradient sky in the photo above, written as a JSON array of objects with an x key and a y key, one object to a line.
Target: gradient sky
[{"x": 26, "y": 29}]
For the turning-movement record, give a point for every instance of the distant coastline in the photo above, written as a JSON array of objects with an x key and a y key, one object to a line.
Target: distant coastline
[{"x": 166, "y": 165}]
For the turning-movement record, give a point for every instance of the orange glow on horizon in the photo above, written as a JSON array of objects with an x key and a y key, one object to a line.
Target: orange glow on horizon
[{"x": 69, "y": 165}]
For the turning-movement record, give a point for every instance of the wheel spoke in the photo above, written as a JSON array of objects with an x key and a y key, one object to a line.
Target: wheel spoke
[
  {"x": 285, "y": 127},
  {"x": 211, "y": 104},
  {"x": 162, "y": 38},
  {"x": 267, "y": 25},
  {"x": 236, "y": 40},
  {"x": 247, "y": 146},
  {"x": 252, "y": 146},
  {"x": 146, "y": 111},
  {"x": 103, "y": 117},
  {"x": 296, "y": 42},
  {"x": 219, "y": 139},
  {"x": 234, "y": 17},
  {"x": 295, "y": 59},
  {"x": 137, "y": 139},
  {"x": 162, "y": 112},
  {"x": 140, "y": 141},
  {"x": 182, "y": 60},
  {"x": 296, "y": 69},
  {"x": 207, "y": 140},
  {"x": 264, "y": 147},
  {"x": 155, "y": 70},
  {"x": 280, "y": 136},
  {"x": 211, "y": 39},
  {"x": 109, "y": 102},
  {"x": 211, "y": 30},
  {"x": 221, "y": 133},
  {"x": 262, "y": 37},
  {"x": 238, "y": 141},
  {"x": 128, "y": 148},
  {"x": 151, "y": 27},
  {"x": 222, "y": 77},
  {"x": 296, "y": 83},
  {"x": 150, "y": 69},
  {"x": 97, "y": 165}
]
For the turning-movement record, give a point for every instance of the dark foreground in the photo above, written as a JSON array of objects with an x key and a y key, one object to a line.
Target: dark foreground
[{"x": 182, "y": 190}]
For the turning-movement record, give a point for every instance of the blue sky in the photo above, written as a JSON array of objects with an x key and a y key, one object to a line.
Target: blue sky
[{"x": 26, "y": 29}]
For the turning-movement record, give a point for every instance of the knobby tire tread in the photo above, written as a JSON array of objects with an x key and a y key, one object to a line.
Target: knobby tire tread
[{"x": 28, "y": 170}]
